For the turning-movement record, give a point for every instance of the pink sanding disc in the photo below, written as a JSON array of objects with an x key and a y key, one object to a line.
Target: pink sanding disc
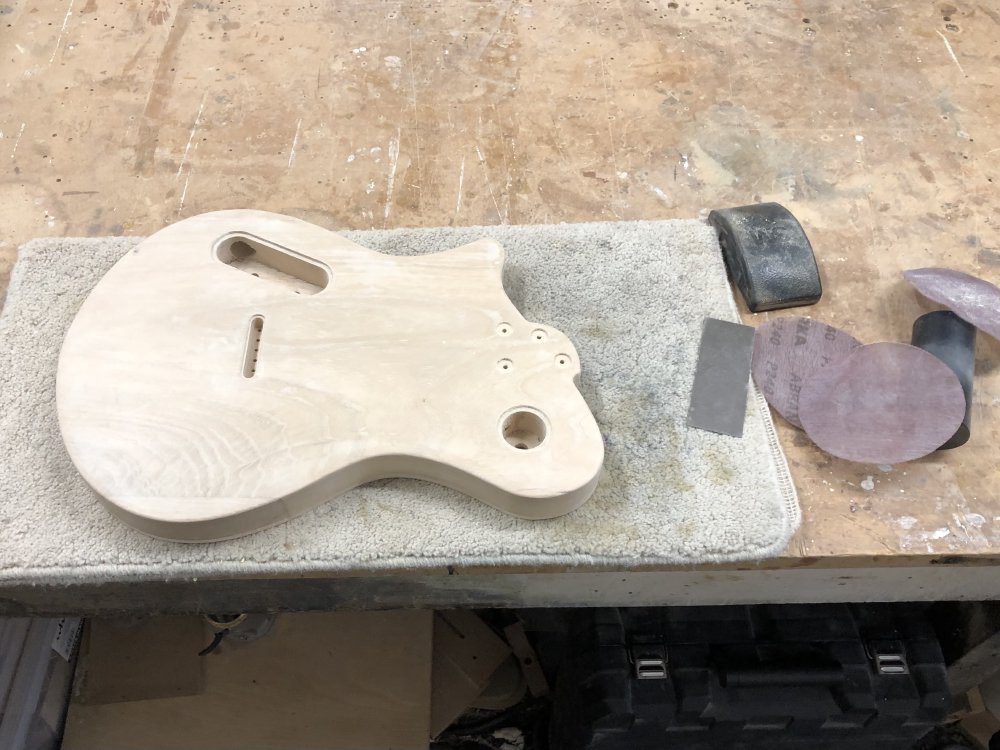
[
  {"x": 786, "y": 351},
  {"x": 882, "y": 404},
  {"x": 970, "y": 298}
]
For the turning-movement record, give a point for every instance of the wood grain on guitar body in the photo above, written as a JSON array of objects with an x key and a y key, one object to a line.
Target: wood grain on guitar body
[{"x": 241, "y": 367}]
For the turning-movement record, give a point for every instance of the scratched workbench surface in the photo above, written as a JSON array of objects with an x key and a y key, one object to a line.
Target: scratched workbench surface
[{"x": 875, "y": 126}]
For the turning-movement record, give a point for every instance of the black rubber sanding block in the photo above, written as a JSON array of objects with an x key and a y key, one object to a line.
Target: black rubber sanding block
[
  {"x": 953, "y": 341},
  {"x": 768, "y": 256}
]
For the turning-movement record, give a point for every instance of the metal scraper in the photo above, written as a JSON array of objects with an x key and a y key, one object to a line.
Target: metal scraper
[{"x": 719, "y": 395}]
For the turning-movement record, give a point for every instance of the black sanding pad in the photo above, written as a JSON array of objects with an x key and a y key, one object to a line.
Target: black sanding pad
[{"x": 768, "y": 256}]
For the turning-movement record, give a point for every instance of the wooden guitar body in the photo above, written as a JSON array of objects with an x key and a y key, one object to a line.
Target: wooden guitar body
[{"x": 241, "y": 367}]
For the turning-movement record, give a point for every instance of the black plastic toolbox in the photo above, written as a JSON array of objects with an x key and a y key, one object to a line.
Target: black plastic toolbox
[{"x": 815, "y": 676}]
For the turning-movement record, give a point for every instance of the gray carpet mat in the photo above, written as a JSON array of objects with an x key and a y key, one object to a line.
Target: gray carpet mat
[{"x": 631, "y": 296}]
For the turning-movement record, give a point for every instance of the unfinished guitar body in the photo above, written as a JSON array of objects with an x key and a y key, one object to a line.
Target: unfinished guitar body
[{"x": 240, "y": 367}]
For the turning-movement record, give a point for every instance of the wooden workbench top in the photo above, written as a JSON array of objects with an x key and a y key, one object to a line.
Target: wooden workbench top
[{"x": 875, "y": 126}]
